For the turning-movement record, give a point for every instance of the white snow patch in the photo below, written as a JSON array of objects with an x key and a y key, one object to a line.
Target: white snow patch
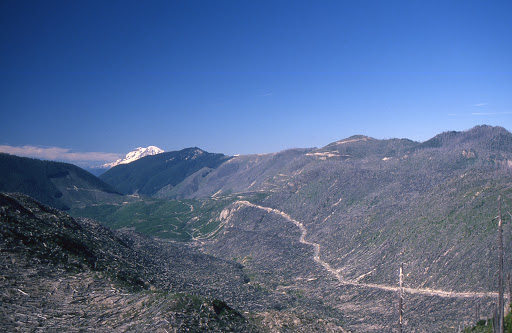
[{"x": 134, "y": 155}]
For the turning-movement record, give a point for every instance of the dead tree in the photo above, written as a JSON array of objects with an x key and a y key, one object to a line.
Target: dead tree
[
  {"x": 501, "y": 309},
  {"x": 509, "y": 291},
  {"x": 495, "y": 318},
  {"x": 401, "y": 299}
]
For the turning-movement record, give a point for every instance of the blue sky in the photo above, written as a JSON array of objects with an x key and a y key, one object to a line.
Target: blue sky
[{"x": 99, "y": 78}]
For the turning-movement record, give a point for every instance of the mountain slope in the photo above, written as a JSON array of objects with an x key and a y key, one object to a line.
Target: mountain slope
[
  {"x": 57, "y": 184},
  {"x": 244, "y": 173},
  {"x": 332, "y": 225},
  {"x": 425, "y": 202},
  {"x": 58, "y": 272},
  {"x": 152, "y": 173},
  {"x": 364, "y": 206}
]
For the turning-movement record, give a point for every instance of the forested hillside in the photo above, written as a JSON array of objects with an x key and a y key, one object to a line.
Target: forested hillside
[{"x": 57, "y": 184}]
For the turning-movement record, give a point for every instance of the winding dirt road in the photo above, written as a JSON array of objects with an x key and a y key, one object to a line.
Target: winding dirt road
[{"x": 317, "y": 258}]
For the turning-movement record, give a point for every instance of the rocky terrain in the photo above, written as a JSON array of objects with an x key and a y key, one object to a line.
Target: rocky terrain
[{"x": 59, "y": 273}]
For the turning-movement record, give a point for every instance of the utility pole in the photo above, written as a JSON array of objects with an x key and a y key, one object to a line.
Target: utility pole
[
  {"x": 401, "y": 300},
  {"x": 501, "y": 309}
]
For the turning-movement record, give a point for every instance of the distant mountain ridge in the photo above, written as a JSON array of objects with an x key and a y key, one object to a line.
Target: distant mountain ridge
[
  {"x": 263, "y": 172},
  {"x": 60, "y": 185},
  {"x": 150, "y": 174},
  {"x": 242, "y": 173},
  {"x": 482, "y": 137},
  {"x": 134, "y": 155}
]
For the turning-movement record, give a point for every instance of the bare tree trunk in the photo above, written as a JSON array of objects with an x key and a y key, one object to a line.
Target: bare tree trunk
[
  {"x": 400, "y": 299},
  {"x": 494, "y": 318},
  {"x": 500, "y": 290},
  {"x": 509, "y": 290}
]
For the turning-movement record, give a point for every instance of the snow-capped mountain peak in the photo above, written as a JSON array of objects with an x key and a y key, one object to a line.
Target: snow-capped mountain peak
[{"x": 134, "y": 155}]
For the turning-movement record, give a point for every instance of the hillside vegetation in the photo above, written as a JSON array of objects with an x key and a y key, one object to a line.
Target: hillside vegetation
[{"x": 179, "y": 220}]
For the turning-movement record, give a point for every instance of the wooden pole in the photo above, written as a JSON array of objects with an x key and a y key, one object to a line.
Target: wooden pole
[
  {"x": 400, "y": 300},
  {"x": 509, "y": 290},
  {"x": 495, "y": 319},
  {"x": 501, "y": 309}
]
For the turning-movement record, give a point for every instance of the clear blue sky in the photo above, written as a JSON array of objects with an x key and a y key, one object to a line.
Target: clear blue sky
[{"x": 241, "y": 77}]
